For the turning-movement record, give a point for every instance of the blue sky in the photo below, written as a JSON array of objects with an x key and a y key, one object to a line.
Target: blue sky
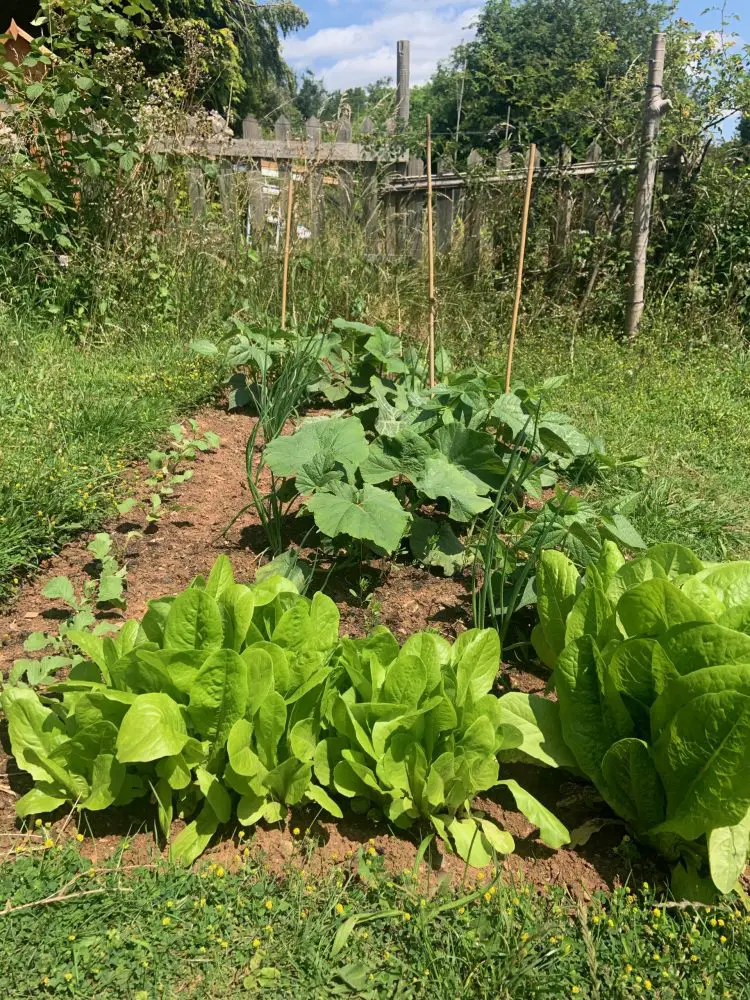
[{"x": 351, "y": 42}]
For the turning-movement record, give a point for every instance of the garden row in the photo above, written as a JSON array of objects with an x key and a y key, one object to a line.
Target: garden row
[{"x": 240, "y": 701}]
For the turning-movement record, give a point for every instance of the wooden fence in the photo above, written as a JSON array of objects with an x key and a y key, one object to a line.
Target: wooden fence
[{"x": 361, "y": 179}]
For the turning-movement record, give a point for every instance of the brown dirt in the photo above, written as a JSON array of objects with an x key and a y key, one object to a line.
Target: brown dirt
[{"x": 186, "y": 542}]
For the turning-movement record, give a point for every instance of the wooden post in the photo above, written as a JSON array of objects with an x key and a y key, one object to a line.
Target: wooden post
[
  {"x": 196, "y": 191},
  {"x": 251, "y": 128},
  {"x": 654, "y": 108},
  {"x": 472, "y": 221},
  {"x": 521, "y": 254},
  {"x": 369, "y": 195},
  {"x": 589, "y": 206},
  {"x": 564, "y": 207},
  {"x": 430, "y": 259},
  {"x": 287, "y": 247},
  {"x": 256, "y": 203},
  {"x": 402, "y": 82},
  {"x": 444, "y": 212},
  {"x": 412, "y": 219}
]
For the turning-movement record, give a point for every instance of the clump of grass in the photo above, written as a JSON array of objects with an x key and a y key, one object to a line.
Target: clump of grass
[
  {"x": 70, "y": 419},
  {"x": 232, "y": 927}
]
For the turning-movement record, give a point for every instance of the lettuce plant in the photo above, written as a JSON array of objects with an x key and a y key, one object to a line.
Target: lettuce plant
[
  {"x": 414, "y": 734},
  {"x": 198, "y": 700},
  {"x": 240, "y": 701},
  {"x": 651, "y": 663}
]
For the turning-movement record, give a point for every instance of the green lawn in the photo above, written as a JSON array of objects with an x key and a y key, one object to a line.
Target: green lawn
[
  {"x": 155, "y": 932},
  {"x": 70, "y": 417},
  {"x": 685, "y": 410}
]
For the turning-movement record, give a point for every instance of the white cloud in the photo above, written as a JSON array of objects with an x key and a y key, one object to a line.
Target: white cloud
[{"x": 360, "y": 53}]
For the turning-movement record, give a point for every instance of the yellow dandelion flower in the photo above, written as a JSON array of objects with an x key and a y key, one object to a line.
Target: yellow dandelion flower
[
  {"x": 37, "y": 824},
  {"x": 406, "y": 915},
  {"x": 72, "y": 937},
  {"x": 722, "y": 939},
  {"x": 268, "y": 904},
  {"x": 720, "y": 923},
  {"x": 648, "y": 984},
  {"x": 339, "y": 908},
  {"x": 575, "y": 989},
  {"x": 224, "y": 944},
  {"x": 68, "y": 976},
  {"x": 461, "y": 910},
  {"x": 628, "y": 968},
  {"x": 241, "y": 835},
  {"x": 166, "y": 921},
  {"x": 487, "y": 896},
  {"x": 712, "y": 922},
  {"x": 49, "y": 842},
  {"x": 79, "y": 838},
  {"x": 296, "y": 831},
  {"x": 256, "y": 942},
  {"x": 693, "y": 958},
  {"x": 220, "y": 872}
]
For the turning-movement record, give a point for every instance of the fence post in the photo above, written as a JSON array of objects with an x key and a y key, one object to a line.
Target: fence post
[
  {"x": 282, "y": 131},
  {"x": 564, "y": 207},
  {"x": 369, "y": 195},
  {"x": 444, "y": 210},
  {"x": 654, "y": 107},
  {"x": 411, "y": 222},
  {"x": 251, "y": 128},
  {"x": 227, "y": 194},
  {"x": 196, "y": 191},
  {"x": 402, "y": 82},
  {"x": 472, "y": 221},
  {"x": 314, "y": 131},
  {"x": 589, "y": 207}
]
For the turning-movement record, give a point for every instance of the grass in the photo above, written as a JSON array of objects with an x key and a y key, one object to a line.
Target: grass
[
  {"x": 147, "y": 932},
  {"x": 70, "y": 419},
  {"x": 685, "y": 409}
]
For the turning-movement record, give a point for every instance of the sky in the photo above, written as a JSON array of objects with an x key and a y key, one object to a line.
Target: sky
[{"x": 353, "y": 42}]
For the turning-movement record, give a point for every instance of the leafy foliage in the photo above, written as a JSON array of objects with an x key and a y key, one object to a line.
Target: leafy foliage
[
  {"x": 243, "y": 700},
  {"x": 651, "y": 665},
  {"x": 409, "y": 457}
]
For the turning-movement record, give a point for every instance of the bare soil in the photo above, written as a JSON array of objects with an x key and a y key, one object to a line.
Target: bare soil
[{"x": 187, "y": 540}]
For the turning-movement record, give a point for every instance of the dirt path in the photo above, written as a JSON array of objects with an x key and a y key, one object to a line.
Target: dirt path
[{"x": 186, "y": 542}]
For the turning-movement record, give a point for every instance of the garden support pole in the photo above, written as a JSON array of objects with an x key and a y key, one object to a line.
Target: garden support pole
[
  {"x": 287, "y": 246},
  {"x": 654, "y": 108},
  {"x": 430, "y": 258},
  {"x": 521, "y": 255}
]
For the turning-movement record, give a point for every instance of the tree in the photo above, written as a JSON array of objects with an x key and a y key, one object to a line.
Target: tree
[{"x": 231, "y": 49}]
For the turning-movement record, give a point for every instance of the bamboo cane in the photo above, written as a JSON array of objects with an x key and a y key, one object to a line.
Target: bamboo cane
[
  {"x": 287, "y": 247},
  {"x": 521, "y": 255},
  {"x": 430, "y": 260}
]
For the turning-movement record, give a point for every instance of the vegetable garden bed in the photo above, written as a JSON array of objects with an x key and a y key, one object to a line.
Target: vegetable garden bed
[{"x": 409, "y": 599}]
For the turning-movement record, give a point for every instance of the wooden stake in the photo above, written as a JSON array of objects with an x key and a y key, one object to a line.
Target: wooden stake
[
  {"x": 655, "y": 107},
  {"x": 521, "y": 255},
  {"x": 287, "y": 246},
  {"x": 430, "y": 259}
]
